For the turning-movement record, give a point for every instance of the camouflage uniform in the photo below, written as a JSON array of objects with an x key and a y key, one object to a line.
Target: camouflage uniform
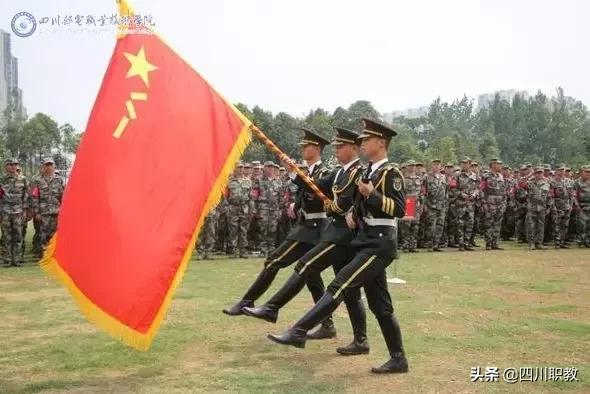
[
  {"x": 466, "y": 190},
  {"x": 521, "y": 193},
  {"x": 239, "y": 210},
  {"x": 562, "y": 198},
  {"x": 410, "y": 227},
  {"x": 583, "y": 196},
  {"x": 222, "y": 225},
  {"x": 509, "y": 220},
  {"x": 206, "y": 242},
  {"x": 14, "y": 203},
  {"x": 538, "y": 202},
  {"x": 46, "y": 195},
  {"x": 268, "y": 212},
  {"x": 493, "y": 188},
  {"x": 434, "y": 194},
  {"x": 451, "y": 219},
  {"x": 288, "y": 192}
]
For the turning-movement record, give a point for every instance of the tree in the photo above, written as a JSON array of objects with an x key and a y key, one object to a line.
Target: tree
[{"x": 443, "y": 149}]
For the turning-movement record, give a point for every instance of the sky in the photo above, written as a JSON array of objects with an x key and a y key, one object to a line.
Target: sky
[{"x": 293, "y": 56}]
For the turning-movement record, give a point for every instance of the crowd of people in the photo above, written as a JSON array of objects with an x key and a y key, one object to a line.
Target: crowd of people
[
  {"x": 24, "y": 199},
  {"x": 452, "y": 204}
]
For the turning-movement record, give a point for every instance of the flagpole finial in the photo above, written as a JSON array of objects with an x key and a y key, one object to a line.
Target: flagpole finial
[{"x": 125, "y": 11}]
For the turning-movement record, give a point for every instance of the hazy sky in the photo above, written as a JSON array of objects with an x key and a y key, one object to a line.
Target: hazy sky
[{"x": 296, "y": 55}]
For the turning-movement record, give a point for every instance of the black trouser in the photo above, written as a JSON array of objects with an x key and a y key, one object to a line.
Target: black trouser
[
  {"x": 283, "y": 256},
  {"x": 326, "y": 254}
]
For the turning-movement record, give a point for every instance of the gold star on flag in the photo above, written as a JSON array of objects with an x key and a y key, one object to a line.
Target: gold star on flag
[{"x": 139, "y": 66}]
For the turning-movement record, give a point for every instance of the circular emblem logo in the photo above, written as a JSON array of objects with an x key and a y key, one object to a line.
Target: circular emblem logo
[{"x": 23, "y": 24}]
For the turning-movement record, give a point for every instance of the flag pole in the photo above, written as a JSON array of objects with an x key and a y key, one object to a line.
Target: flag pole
[{"x": 287, "y": 160}]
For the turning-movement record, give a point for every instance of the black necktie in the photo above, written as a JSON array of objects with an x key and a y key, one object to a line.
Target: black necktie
[{"x": 367, "y": 175}]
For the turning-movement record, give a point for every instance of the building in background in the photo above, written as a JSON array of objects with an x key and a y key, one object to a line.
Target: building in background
[
  {"x": 486, "y": 99},
  {"x": 11, "y": 95}
]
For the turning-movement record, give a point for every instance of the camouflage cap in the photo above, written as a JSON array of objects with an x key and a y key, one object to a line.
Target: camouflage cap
[
  {"x": 404, "y": 165},
  {"x": 449, "y": 165},
  {"x": 48, "y": 160},
  {"x": 465, "y": 160},
  {"x": 11, "y": 160},
  {"x": 247, "y": 165},
  {"x": 282, "y": 169},
  {"x": 269, "y": 163},
  {"x": 419, "y": 163},
  {"x": 474, "y": 164},
  {"x": 547, "y": 167},
  {"x": 435, "y": 161},
  {"x": 410, "y": 163},
  {"x": 505, "y": 167},
  {"x": 561, "y": 167},
  {"x": 495, "y": 160},
  {"x": 256, "y": 163},
  {"x": 523, "y": 167},
  {"x": 539, "y": 169},
  {"x": 585, "y": 168},
  {"x": 240, "y": 164}
]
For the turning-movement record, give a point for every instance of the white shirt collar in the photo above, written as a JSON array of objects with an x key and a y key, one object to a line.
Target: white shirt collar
[
  {"x": 312, "y": 167},
  {"x": 349, "y": 164},
  {"x": 378, "y": 164}
]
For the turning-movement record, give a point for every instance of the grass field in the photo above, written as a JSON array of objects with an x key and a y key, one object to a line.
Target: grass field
[{"x": 511, "y": 308}]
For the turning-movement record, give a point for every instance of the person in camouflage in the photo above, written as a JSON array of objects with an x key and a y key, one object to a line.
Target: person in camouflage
[
  {"x": 253, "y": 232},
  {"x": 268, "y": 200},
  {"x": 478, "y": 215},
  {"x": 582, "y": 193},
  {"x": 562, "y": 196},
  {"x": 465, "y": 188},
  {"x": 521, "y": 204},
  {"x": 493, "y": 189},
  {"x": 434, "y": 195},
  {"x": 509, "y": 220},
  {"x": 239, "y": 209},
  {"x": 410, "y": 227},
  {"x": 206, "y": 241},
  {"x": 287, "y": 193},
  {"x": 451, "y": 221},
  {"x": 26, "y": 221},
  {"x": 15, "y": 209},
  {"x": 539, "y": 201},
  {"x": 46, "y": 195}
]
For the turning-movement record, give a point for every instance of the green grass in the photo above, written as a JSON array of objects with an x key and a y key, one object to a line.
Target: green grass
[{"x": 511, "y": 308}]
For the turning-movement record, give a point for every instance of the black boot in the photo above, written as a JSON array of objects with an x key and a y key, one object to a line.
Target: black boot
[
  {"x": 260, "y": 285},
  {"x": 396, "y": 364},
  {"x": 296, "y": 335},
  {"x": 236, "y": 309},
  {"x": 393, "y": 338},
  {"x": 358, "y": 320},
  {"x": 270, "y": 310},
  {"x": 355, "y": 348},
  {"x": 326, "y": 330}
]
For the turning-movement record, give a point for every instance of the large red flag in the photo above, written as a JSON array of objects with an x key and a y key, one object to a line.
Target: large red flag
[{"x": 158, "y": 149}]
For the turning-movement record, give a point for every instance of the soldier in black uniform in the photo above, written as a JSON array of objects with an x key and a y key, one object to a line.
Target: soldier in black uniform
[
  {"x": 379, "y": 199},
  {"x": 312, "y": 221},
  {"x": 334, "y": 247}
]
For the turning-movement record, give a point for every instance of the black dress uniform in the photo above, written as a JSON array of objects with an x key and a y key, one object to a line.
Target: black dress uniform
[
  {"x": 312, "y": 220},
  {"x": 375, "y": 247},
  {"x": 333, "y": 249}
]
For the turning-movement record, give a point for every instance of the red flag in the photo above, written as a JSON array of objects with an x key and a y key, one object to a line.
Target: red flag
[
  {"x": 155, "y": 158},
  {"x": 410, "y": 207}
]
